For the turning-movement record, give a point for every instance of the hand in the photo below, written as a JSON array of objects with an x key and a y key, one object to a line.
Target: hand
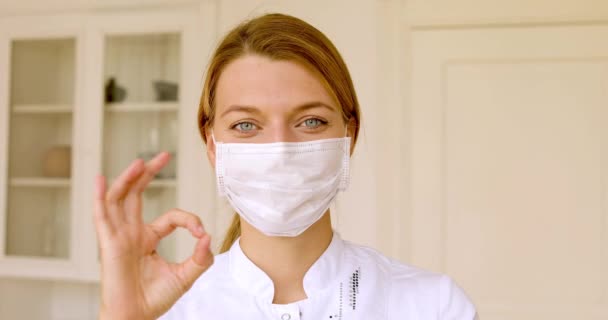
[{"x": 136, "y": 283}]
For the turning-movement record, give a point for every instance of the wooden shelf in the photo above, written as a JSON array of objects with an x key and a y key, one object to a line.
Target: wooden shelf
[
  {"x": 163, "y": 183},
  {"x": 65, "y": 182},
  {"x": 157, "y": 183},
  {"x": 40, "y": 182},
  {"x": 143, "y": 106},
  {"x": 42, "y": 109}
]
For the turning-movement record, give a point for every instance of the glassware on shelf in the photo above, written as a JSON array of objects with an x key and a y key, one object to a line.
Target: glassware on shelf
[
  {"x": 170, "y": 171},
  {"x": 48, "y": 236},
  {"x": 38, "y": 222}
]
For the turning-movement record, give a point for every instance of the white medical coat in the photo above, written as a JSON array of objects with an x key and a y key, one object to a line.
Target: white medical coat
[{"x": 347, "y": 282}]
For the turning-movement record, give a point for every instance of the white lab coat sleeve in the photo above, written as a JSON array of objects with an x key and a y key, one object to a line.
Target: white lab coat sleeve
[{"x": 454, "y": 304}]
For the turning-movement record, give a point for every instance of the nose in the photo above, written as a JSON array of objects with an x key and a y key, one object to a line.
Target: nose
[{"x": 281, "y": 132}]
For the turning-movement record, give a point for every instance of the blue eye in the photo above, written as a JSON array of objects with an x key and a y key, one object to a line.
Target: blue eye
[
  {"x": 313, "y": 123},
  {"x": 245, "y": 126}
]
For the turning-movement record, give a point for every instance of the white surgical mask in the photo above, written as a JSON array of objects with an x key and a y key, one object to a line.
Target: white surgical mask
[{"x": 282, "y": 188}]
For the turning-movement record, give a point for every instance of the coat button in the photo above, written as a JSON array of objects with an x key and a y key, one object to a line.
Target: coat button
[{"x": 285, "y": 316}]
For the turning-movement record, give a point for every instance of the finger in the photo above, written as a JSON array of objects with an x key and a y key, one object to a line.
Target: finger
[
  {"x": 121, "y": 185},
  {"x": 152, "y": 168},
  {"x": 202, "y": 258},
  {"x": 133, "y": 200},
  {"x": 118, "y": 190},
  {"x": 100, "y": 217},
  {"x": 202, "y": 252},
  {"x": 166, "y": 223}
]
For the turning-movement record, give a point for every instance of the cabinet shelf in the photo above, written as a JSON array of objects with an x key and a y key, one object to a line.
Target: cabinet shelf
[
  {"x": 142, "y": 106},
  {"x": 40, "y": 182},
  {"x": 42, "y": 109},
  {"x": 157, "y": 183},
  {"x": 65, "y": 182},
  {"x": 163, "y": 183}
]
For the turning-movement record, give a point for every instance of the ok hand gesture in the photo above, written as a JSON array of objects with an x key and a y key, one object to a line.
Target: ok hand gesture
[{"x": 136, "y": 283}]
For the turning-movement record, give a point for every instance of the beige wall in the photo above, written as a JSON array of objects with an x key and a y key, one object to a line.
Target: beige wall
[{"x": 449, "y": 12}]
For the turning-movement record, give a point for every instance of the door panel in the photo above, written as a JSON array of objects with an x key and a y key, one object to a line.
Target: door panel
[{"x": 509, "y": 166}]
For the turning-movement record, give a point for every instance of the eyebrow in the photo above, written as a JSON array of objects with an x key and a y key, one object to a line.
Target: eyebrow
[{"x": 253, "y": 109}]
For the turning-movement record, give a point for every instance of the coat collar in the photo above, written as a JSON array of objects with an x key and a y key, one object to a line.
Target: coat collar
[{"x": 321, "y": 275}]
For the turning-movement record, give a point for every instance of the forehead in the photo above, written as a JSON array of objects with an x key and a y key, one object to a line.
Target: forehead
[{"x": 267, "y": 84}]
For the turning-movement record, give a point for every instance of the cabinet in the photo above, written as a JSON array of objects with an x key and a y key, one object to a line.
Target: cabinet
[
  {"x": 41, "y": 102},
  {"x": 140, "y": 112},
  {"x": 88, "y": 93}
]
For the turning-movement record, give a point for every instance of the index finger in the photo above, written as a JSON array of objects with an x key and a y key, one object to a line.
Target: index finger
[
  {"x": 166, "y": 223},
  {"x": 133, "y": 199},
  {"x": 152, "y": 168}
]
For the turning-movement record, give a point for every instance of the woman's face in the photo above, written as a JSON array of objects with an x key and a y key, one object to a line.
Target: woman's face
[{"x": 259, "y": 100}]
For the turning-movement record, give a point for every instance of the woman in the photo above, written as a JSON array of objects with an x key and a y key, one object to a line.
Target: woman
[{"x": 279, "y": 117}]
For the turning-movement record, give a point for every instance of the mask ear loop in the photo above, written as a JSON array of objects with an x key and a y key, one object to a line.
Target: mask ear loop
[
  {"x": 336, "y": 204},
  {"x": 218, "y": 168},
  {"x": 213, "y": 137}
]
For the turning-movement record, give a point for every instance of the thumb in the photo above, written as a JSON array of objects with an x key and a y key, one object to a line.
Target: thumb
[{"x": 202, "y": 258}]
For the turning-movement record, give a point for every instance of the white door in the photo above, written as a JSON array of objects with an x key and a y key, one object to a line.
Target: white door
[{"x": 510, "y": 167}]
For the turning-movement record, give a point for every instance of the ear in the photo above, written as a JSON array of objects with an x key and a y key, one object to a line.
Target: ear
[
  {"x": 210, "y": 147},
  {"x": 352, "y": 128}
]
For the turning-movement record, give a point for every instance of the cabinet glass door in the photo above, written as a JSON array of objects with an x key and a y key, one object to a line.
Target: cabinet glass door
[
  {"x": 141, "y": 79},
  {"x": 42, "y": 74}
]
